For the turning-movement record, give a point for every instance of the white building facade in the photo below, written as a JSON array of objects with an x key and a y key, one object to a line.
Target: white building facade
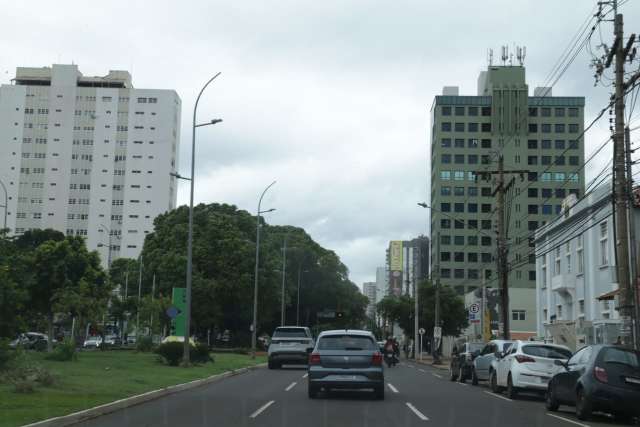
[
  {"x": 369, "y": 289},
  {"x": 382, "y": 283},
  {"x": 88, "y": 156},
  {"x": 576, "y": 273}
]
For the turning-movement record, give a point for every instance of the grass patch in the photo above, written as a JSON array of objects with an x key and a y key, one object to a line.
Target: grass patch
[{"x": 101, "y": 377}]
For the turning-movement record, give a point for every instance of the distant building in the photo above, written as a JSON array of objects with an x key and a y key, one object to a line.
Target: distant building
[
  {"x": 369, "y": 289},
  {"x": 576, "y": 286},
  {"x": 382, "y": 283},
  {"x": 407, "y": 264},
  {"x": 88, "y": 156},
  {"x": 541, "y": 134}
]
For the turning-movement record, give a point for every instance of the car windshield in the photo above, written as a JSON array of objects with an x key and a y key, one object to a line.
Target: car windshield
[
  {"x": 546, "y": 351},
  {"x": 290, "y": 333},
  {"x": 346, "y": 342},
  {"x": 622, "y": 356}
]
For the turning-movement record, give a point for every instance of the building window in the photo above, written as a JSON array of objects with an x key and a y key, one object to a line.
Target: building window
[
  {"x": 458, "y": 273},
  {"x": 579, "y": 255},
  {"x": 472, "y": 274},
  {"x": 459, "y": 127},
  {"x": 472, "y": 159},
  {"x": 458, "y": 240},
  {"x": 533, "y": 128},
  {"x": 532, "y": 160},
  {"x": 445, "y": 207},
  {"x": 445, "y": 273},
  {"x": 458, "y": 256},
  {"x": 518, "y": 315},
  {"x": 560, "y": 128},
  {"x": 568, "y": 256},
  {"x": 458, "y": 159},
  {"x": 445, "y": 175},
  {"x": 472, "y": 224},
  {"x": 604, "y": 258},
  {"x": 532, "y": 144},
  {"x": 445, "y": 223},
  {"x": 573, "y": 128},
  {"x": 473, "y": 127},
  {"x": 573, "y": 112},
  {"x": 446, "y": 127},
  {"x": 545, "y": 112},
  {"x": 486, "y": 224},
  {"x": 545, "y": 160},
  {"x": 445, "y": 158},
  {"x": 473, "y": 111},
  {"x": 486, "y": 111},
  {"x": 486, "y": 241},
  {"x": 558, "y": 264},
  {"x": 559, "y": 144},
  {"x": 446, "y": 111},
  {"x": 472, "y": 257},
  {"x": 486, "y": 127},
  {"x": 485, "y": 143},
  {"x": 533, "y": 209},
  {"x": 445, "y": 256},
  {"x": 473, "y": 143},
  {"x": 559, "y": 311},
  {"x": 472, "y": 207},
  {"x": 574, "y": 160},
  {"x": 533, "y": 112},
  {"x": 445, "y": 240},
  {"x": 559, "y": 111},
  {"x": 545, "y": 128},
  {"x": 458, "y": 143},
  {"x": 444, "y": 142},
  {"x": 458, "y": 208},
  {"x": 547, "y": 210},
  {"x": 459, "y": 111},
  {"x": 458, "y": 175},
  {"x": 445, "y": 191},
  {"x": 472, "y": 191}
]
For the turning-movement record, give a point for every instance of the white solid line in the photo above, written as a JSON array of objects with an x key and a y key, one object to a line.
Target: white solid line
[
  {"x": 490, "y": 393},
  {"x": 393, "y": 389},
  {"x": 292, "y": 385},
  {"x": 420, "y": 415},
  {"x": 261, "y": 409},
  {"x": 305, "y": 375},
  {"x": 422, "y": 370},
  {"x": 568, "y": 420},
  {"x": 436, "y": 375}
]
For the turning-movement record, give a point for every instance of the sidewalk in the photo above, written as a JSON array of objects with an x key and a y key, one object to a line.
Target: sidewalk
[{"x": 427, "y": 359}]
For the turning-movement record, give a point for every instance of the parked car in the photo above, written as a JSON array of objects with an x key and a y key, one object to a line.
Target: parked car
[
  {"x": 290, "y": 344},
  {"x": 112, "y": 340},
  {"x": 31, "y": 341},
  {"x": 347, "y": 359},
  {"x": 462, "y": 356},
  {"x": 527, "y": 365},
  {"x": 92, "y": 342},
  {"x": 598, "y": 378},
  {"x": 484, "y": 363}
]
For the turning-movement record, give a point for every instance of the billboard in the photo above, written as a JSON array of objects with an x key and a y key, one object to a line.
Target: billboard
[{"x": 395, "y": 267}]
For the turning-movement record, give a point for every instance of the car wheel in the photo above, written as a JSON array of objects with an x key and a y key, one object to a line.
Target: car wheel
[
  {"x": 493, "y": 382},
  {"x": 550, "y": 400},
  {"x": 474, "y": 377},
  {"x": 461, "y": 376},
  {"x": 313, "y": 392},
  {"x": 380, "y": 392},
  {"x": 452, "y": 375},
  {"x": 583, "y": 405},
  {"x": 511, "y": 390}
]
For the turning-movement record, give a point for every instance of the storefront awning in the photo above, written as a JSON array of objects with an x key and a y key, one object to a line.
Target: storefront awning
[{"x": 608, "y": 295}]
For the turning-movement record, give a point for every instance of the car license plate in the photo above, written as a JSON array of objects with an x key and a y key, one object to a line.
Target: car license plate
[
  {"x": 632, "y": 380},
  {"x": 346, "y": 377}
]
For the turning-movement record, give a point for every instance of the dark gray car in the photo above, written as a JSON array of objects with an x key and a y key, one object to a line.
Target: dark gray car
[{"x": 346, "y": 359}]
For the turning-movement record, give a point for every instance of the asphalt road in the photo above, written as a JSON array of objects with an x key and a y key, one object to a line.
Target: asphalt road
[{"x": 416, "y": 395}]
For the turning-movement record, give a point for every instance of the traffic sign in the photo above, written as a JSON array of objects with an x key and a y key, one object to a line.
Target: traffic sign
[
  {"x": 437, "y": 332},
  {"x": 421, "y": 331},
  {"x": 173, "y": 312},
  {"x": 474, "y": 308}
]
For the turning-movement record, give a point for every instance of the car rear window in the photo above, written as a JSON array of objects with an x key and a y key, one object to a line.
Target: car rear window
[
  {"x": 622, "y": 356},
  {"x": 506, "y": 345},
  {"x": 546, "y": 351},
  {"x": 290, "y": 333},
  {"x": 346, "y": 342}
]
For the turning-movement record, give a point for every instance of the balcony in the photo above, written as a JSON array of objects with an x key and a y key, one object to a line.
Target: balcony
[{"x": 564, "y": 283}]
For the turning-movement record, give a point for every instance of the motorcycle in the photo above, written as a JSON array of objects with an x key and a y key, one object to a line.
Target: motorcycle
[{"x": 390, "y": 359}]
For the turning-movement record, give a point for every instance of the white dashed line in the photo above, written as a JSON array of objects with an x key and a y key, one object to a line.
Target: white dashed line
[
  {"x": 463, "y": 384},
  {"x": 411, "y": 366},
  {"x": 419, "y": 414},
  {"x": 436, "y": 375},
  {"x": 292, "y": 385},
  {"x": 422, "y": 370},
  {"x": 567, "y": 420},
  {"x": 498, "y": 396},
  {"x": 393, "y": 389},
  {"x": 305, "y": 375},
  {"x": 261, "y": 409}
]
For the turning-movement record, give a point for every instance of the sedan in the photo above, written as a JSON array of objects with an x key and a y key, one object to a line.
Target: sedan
[
  {"x": 598, "y": 378},
  {"x": 346, "y": 359},
  {"x": 527, "y": 365},
  {"x": 462, "y": 355},
  {"x": 484, "y": 363},
  {"x": 94, "y": 342}
]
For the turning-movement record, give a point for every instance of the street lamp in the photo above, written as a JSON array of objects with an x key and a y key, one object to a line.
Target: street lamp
[
  {"x": 300, "y": 273},
  {"x": 6, "y": 204},
  {"x": 437, "y": 309},
  {"x": 187, "y": 323},
  {"x": 255, "y": 278}
]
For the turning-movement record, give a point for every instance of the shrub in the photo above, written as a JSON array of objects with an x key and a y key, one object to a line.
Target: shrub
[
  {"x": 24, "y": 386},
  {"x": 144, "y": 344},
  {"x": 6, "y": 354},
  {"x": 44, "y": 377},
  {"x": 200, "y": 354},
  {"x": 64, "y": 352},
  {"x": 171, "y": 352}
]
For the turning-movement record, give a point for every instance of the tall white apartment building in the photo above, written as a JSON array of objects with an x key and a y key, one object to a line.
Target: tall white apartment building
[
  {"x": 88, "y": 156},
  {"x": 369, "y": 290}
]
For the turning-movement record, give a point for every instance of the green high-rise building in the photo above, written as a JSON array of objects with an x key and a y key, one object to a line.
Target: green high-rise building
[{"x": 540, "y": 134}]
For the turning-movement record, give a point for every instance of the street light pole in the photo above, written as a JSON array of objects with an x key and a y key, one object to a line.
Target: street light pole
[
  {"x": 300, "y": 272},
  {"x": 255, "y": 277},
  {"x": 6, "y": 203},
  {"x": 284, "y": 267},
  {"x": 187, "y": 323}
]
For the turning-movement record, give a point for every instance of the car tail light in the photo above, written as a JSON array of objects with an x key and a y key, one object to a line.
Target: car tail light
[
  {"x": 524, "y": 359},
  {"x": 314, "y": 359},
  {"x": 376, "y": 359},
  {"x": 600, "y": 374}
]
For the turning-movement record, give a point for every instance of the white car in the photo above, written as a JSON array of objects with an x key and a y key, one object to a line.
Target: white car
[
  {"x": 290, "y": 344},
  {"x": 527, "y": 365},
  {"x": 94, "y": 342}
]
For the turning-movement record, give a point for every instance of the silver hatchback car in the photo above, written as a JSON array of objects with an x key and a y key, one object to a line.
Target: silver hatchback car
[{"x": 346, "y": 359}]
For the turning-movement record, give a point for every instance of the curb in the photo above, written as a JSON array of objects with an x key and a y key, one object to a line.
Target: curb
[
  {"x": 107, "y": 408},
  {"x": 440, "y": 367}
]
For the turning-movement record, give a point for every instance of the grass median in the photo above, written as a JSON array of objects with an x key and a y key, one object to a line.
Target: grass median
[{"x": 99, "y": 377}]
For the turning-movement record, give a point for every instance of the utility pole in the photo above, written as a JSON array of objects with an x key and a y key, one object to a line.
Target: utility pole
[
  {"x": 632, "y": 238},
  {"x": 415, "y": 317},
  {"x": 436, "y": 323},
  {"x": 139, "y": 298},
  {"x": 284, "y": 267},
  {"x": 153, "y": 291},
  {"x": 501, "y": 240}
]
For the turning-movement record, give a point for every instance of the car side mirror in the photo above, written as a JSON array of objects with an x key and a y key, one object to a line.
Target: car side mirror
[
  {"x": 560, "y": 363},
  {"x": 497, "y": 355}
]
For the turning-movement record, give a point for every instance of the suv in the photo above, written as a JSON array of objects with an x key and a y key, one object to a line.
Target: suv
[
  {"x": 290, "y": 344},
  {"x": 462, "y": 357}
]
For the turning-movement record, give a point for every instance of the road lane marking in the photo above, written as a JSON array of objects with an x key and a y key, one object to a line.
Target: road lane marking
[
  {"x": 305, "y": 375},
  {"x": 419, "y": 414},
  {"x": 436, "y": 375},
  {"x": 262, "y": 409},
  {"x": 411, "y": 366},
  {"x": 490, "y": 393},
  {"x": 568, "y": 420},
  {"x": 292, "y": 385},
  {"x": 463, "y": 384},
  {"x": 393, "y": 389},
  {"x": 422, "y": 370}
]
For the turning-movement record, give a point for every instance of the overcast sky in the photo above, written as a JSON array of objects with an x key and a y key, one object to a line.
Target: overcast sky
[{"x": 329, "y": 98}]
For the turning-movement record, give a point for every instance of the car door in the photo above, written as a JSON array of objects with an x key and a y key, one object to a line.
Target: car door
[
  {"x": 562, "y": 379},
  {"x": 504, "y": 365},
  {"x": 483, "y": 361},
  {"x": 575, "y": 371}
]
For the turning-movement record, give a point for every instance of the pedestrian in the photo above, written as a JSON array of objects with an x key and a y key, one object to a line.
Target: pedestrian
[{"x": 618, "y": 341}]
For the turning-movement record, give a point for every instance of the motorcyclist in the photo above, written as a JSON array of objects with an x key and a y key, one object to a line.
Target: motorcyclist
[
  {"x": 389, "y": 350},
  {"x": 396, "y": 350}
]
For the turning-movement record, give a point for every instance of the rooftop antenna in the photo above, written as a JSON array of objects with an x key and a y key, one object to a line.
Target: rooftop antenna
[
  {"x": 490, "y": 57},
  {"x": 505, "y": 55}
]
